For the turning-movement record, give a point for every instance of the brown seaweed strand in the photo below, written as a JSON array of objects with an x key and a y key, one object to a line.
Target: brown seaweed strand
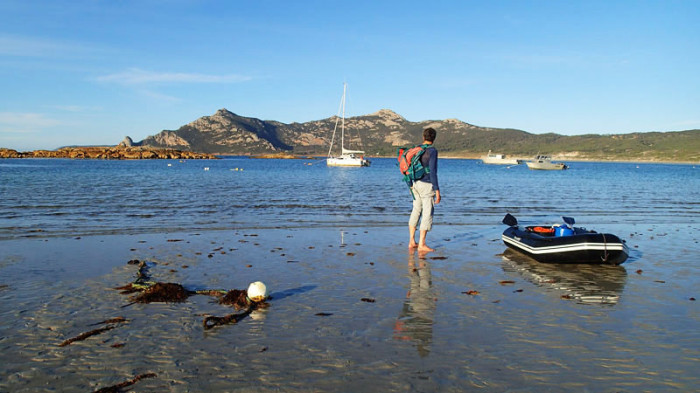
[
  {"x": 83, "y": 336},
  {"x": 211, "y": 322},
  {"x": 117, "y": 388},
  {"x": 111, "y": 320}
]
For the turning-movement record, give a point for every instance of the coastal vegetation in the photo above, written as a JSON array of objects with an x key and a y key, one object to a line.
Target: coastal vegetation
[{"x": 282, "y": 155}]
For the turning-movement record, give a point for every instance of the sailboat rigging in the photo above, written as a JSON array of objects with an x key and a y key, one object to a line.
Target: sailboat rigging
[{"x": 347, "y": 157}]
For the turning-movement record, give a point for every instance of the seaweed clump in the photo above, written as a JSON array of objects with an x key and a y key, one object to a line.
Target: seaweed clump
[
  {"x": 163, "y": 292},
  {"x": 151, "y": 291},
  {"x": 237, "y": 298},
  {"x": 240, "y": 301}
]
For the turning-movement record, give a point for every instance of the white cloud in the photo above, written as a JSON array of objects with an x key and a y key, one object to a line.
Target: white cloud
[
  {"x": 25, "y": 122},
  {"x": 136, "y": 76}
]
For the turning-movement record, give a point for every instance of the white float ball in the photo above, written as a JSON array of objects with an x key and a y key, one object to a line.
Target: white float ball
[{"x": 257, "y": 291}]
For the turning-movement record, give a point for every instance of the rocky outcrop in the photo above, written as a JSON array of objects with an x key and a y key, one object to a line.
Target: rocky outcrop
[
  {"x": 166, "y": 139},
  {"x": 223, "y": 132},
  {"x": 108, "y": 153},
  {"x": 10, "y": 153},
  {"x": 127, "y": 142}
]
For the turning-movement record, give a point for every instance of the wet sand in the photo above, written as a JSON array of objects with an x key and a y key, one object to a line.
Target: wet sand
[{"x": 352, "y": 310}]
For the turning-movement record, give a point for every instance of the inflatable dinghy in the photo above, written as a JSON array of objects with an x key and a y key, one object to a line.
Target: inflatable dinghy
[{"x": 564, "y": 243}]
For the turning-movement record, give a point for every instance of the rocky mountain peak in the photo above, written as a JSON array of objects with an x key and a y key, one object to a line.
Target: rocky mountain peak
[
  {"x": 224, "y": 112},
  {"x": 388, "y": 114},
  {"x": 219, "y": 121}
]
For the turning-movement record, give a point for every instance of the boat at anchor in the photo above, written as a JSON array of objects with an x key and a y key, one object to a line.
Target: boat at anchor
[
  {"x": 347, "y": 157},
  {"x": 499, "y": 159},
  {"x": 543, "y": 162}
]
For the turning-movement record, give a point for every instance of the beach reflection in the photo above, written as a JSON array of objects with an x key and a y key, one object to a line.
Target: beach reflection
[
  {"x": 593, "y": 284},
  {"x": 415, "y": 321}
]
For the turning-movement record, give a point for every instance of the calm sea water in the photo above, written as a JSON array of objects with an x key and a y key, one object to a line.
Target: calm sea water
[
  {"x": 52, "y": 197},
  {"x": 351, "y": 310}
]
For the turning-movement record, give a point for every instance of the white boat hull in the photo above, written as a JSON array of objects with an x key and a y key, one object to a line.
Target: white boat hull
[
  {"x": 347, "y": 161},
  {"x": 499, "y": 159}
]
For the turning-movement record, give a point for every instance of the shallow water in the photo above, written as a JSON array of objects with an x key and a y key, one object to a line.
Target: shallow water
[
  {"x": 51, "y": 197},
  {"x": 531, "y": 327}
]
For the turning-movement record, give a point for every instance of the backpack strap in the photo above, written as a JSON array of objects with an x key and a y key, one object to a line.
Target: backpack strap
[{"x": 425, "y": 147}]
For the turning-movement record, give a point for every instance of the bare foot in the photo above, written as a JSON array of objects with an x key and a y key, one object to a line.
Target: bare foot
[
  {"x": 412, "y": 245},
  {"x": 425, "y": 248}
]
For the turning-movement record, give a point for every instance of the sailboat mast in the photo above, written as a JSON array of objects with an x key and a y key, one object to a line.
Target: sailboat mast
[{"x": 342, "y": 124}]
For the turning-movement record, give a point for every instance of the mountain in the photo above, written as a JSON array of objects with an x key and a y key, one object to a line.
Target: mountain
[{"x": 381, "y": 132}]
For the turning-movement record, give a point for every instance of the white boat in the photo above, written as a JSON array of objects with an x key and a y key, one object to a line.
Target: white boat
[
  {"x": 543, "y": 162},
  {"x": 499, "y": 159},
  {"x": 347, "y": 157}
]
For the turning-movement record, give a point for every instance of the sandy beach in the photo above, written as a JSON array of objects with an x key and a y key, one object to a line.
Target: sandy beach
[{"x": 350, "y": 310}]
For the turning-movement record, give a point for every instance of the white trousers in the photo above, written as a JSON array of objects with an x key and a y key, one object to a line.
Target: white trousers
[{"x": 423, "y": 205}]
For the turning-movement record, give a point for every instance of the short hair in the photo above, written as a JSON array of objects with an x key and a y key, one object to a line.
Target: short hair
[{"x": 429, "y": 134}]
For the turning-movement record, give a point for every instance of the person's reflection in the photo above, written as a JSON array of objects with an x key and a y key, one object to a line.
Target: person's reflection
[{"x": 415, "y": 322}]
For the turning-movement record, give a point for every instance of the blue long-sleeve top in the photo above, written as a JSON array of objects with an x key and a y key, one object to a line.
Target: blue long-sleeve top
[{"x": 429, "y": 160}]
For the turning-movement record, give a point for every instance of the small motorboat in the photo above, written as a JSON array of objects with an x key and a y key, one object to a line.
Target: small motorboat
[
  {"x": 545, "y": 163},
  {"x": 499, "y": 159},
  {"x": 564, "y": 243}
]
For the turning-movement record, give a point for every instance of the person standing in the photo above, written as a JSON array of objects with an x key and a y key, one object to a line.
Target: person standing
[{"x": 426, "y": 192}]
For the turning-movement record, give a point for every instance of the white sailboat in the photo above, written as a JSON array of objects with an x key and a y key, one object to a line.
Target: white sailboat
[{"x": 347, "y": 157}]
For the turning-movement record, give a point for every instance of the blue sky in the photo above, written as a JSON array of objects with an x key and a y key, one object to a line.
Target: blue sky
[{"x": 92, "y": 72}]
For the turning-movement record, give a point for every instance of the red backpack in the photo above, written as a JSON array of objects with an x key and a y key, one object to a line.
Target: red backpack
[{"x": 409, "y": 163}]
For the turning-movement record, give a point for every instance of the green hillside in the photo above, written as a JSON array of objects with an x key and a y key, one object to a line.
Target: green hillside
[{"x": 380, "y": 133}]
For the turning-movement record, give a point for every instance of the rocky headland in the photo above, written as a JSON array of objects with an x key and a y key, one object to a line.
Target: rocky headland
[{"x": 108, "y": 153}]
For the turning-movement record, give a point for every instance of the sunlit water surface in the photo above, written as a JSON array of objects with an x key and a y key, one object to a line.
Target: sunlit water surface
[{"x": 351, "y": 308}]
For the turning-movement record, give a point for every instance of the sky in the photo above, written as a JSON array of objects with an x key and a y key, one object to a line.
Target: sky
[{"x": 91, "y": 72}]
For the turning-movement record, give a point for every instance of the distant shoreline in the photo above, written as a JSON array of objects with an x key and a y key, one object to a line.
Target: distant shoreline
[
  {"x": 143, "y": 153},
  {"x": 556, "y": 158},
  {"x": 284, "y": 156},
  {"x": 108, "y": 153},
  {"x": 470, "y": 157}
]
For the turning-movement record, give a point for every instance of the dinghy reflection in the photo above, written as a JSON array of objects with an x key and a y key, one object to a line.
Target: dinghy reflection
[{"x": 586, "y": 284}]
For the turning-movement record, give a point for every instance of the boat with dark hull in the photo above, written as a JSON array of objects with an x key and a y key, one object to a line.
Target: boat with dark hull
[{"x": 564, "y": 243}]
